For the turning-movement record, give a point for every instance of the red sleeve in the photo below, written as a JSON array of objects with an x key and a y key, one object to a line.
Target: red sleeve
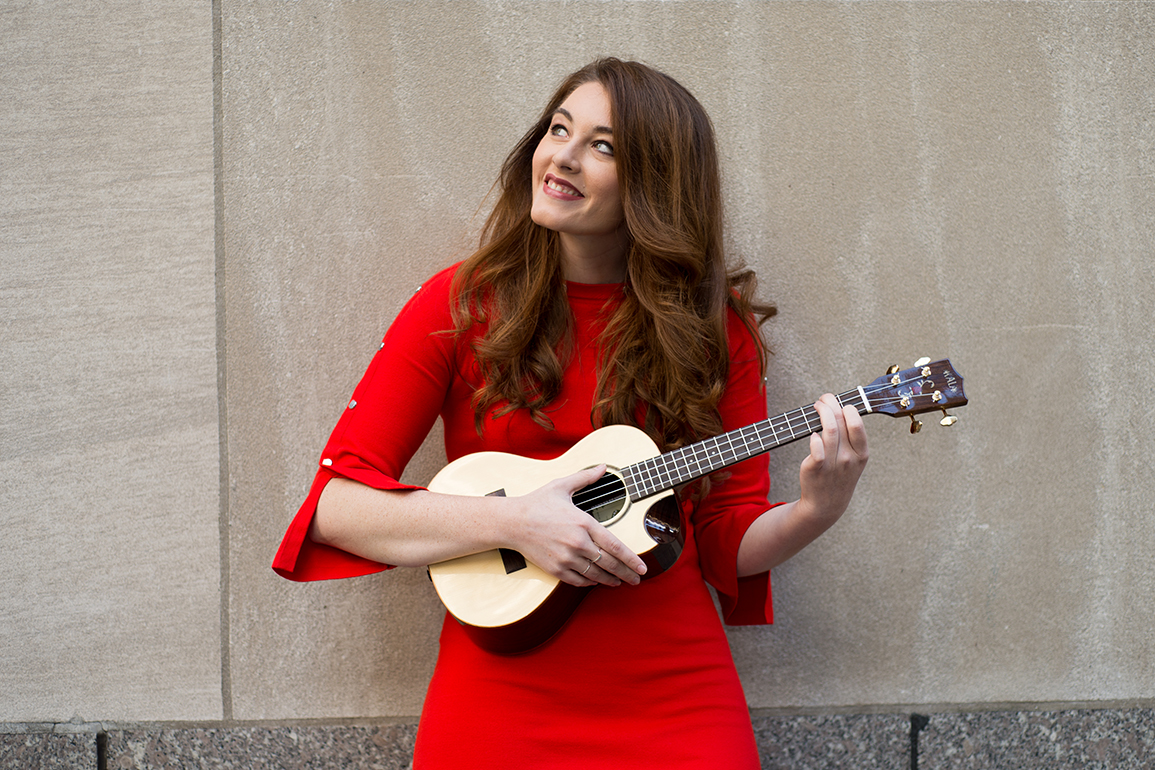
[
  {"x": 389, "y": 415},
  {"x": 738, "y": 496}
]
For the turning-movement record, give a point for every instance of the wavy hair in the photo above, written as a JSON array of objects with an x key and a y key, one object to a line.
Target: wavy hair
[{"x": 666, "y": 356}]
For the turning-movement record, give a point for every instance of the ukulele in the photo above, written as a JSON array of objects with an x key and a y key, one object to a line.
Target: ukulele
[{"x": 508, "y": 605}]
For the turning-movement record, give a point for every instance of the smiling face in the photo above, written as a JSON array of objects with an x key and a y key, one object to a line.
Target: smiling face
[{"x": 575, "y": 187}]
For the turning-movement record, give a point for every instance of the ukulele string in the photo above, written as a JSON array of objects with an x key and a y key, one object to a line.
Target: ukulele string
[
  {"x": 805, "y": 420},
  {"x": 608, "y": 489},
  {"x": 797, "y": 423}
]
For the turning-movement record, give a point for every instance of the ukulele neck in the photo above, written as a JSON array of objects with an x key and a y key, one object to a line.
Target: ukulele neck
[{"x": 684, "y": 465}]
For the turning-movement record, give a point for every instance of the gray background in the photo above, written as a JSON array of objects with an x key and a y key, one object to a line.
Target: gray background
[{"x": 212, "y": 213}]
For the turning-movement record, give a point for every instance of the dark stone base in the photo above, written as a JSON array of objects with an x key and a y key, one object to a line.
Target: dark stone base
[
  {"x": 1088, "y": 739},
  {"x": 385, "y": 747},
  {"x": 1058, "y": 740},
  {"x": 1008, "y": 740},
  {"x": 47, "y": 751},
  {"x": 863, "y": 742}
]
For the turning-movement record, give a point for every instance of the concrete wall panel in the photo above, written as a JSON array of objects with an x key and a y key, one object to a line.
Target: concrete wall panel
[
  {"x": 108, "y": 412},
  {"x": 968, "y": 180}
]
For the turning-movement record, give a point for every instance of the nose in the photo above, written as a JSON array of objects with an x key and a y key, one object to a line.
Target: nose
[{"x": 567, "y": 157}]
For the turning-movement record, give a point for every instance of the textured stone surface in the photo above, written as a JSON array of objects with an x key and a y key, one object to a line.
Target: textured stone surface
[
  {"x": 1057, "y": 740},
  {"x": 109, "y": 452},
  {"x": 1107, "y": 739},
  {"x": 862, "y": 742},
  {"x": 385, "y": 747},
  {"x": 48, "y": 751}
]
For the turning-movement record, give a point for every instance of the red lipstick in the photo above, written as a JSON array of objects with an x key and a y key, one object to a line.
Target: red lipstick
[{"x": 556, "y": 187}]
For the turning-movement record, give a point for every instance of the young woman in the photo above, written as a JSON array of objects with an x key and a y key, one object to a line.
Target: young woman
[{"x": 600, "y": 295}]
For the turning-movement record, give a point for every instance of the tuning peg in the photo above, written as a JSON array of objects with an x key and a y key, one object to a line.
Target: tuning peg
[
  {"x": 893, "y": 369},
  {"x": 922, "y": 361},
  {"x": 915, "y": 425},
  {"x": 947, "y": 419}
]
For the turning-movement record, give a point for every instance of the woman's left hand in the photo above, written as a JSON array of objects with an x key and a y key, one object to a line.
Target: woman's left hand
[
  {"x": 828, "y": 477},
  {"x": 837, "y": 457}
]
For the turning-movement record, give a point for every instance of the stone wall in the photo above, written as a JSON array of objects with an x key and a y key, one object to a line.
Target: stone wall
[
  {"x": 1061, "y": 740},
  {"x": 214, "y": 211}
]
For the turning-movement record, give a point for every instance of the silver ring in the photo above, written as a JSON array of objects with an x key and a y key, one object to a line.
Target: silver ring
[
  {"x": 600, "y": 555},
  {"x": 587, "y": 569}
]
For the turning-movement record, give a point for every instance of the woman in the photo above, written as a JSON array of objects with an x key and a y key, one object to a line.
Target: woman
[{"x": 599, "y": 295}]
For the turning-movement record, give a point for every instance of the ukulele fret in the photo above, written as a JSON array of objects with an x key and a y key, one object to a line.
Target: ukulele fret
[{"x": 682, "y": 466}]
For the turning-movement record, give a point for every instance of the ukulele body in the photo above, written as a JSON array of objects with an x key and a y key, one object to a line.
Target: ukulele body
[{"x": 508, "y": 604}]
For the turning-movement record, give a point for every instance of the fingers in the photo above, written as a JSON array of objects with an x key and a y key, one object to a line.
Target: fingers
[
  {"x": 842, "y": 432},
  {"x": 855, "y": 431},
  {"x": 597, "y": 571},
  {"x": 607, "y": 562},
  {"x": 824, "y": 443},
  {"x": 582, "y": 478},
  {"x": 614, "y": 563},
  {"x": 590, "y": 554},
  {"x": 830, "y": 472}
]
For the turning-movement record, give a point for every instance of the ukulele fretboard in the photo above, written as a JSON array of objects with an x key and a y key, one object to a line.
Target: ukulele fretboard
[{"x": 682, "y": 466}]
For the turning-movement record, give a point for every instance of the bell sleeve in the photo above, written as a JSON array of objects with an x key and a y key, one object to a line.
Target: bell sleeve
[
  {"x": 388, "y": 416},
  {"x": 738, "y": 495}
]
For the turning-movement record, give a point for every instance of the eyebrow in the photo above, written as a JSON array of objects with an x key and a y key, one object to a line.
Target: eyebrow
[{"x": 597, "y": 129}]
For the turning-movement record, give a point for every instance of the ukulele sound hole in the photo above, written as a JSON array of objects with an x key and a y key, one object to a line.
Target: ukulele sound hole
[{"x": 605, "y": 499}]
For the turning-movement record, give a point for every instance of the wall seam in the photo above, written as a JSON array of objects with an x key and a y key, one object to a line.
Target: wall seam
[
  {"x": 967, "y": 707},
  {"x": 222, "y": 362}
]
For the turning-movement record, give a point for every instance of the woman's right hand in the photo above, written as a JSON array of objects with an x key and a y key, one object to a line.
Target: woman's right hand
[
  {"x": 568, "y": 543},
  {"x": 414, "y": 528}
]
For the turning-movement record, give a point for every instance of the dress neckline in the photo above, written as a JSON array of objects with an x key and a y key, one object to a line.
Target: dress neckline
[{"x": 598, "y": 291}]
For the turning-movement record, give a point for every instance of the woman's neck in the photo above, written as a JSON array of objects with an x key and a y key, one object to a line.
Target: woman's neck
[{"x": 586, "y": 260}]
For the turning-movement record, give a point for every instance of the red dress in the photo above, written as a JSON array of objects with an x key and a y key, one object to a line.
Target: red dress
[{"x": 640, "y": 676}]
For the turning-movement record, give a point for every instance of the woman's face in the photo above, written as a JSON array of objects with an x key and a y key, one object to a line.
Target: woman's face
[{"x": 575, "y": 180}]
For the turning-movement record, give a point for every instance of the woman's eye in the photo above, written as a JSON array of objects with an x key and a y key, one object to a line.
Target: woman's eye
[
  {"x": 603, "y": 146},
  {"x": 557, "y": 129}
]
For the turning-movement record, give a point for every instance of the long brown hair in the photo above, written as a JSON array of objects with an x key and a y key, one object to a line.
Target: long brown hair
[{"x": 667, "y": 358}]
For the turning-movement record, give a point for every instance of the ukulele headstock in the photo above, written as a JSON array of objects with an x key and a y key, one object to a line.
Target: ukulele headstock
[{"x": 925, "y": 387}]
